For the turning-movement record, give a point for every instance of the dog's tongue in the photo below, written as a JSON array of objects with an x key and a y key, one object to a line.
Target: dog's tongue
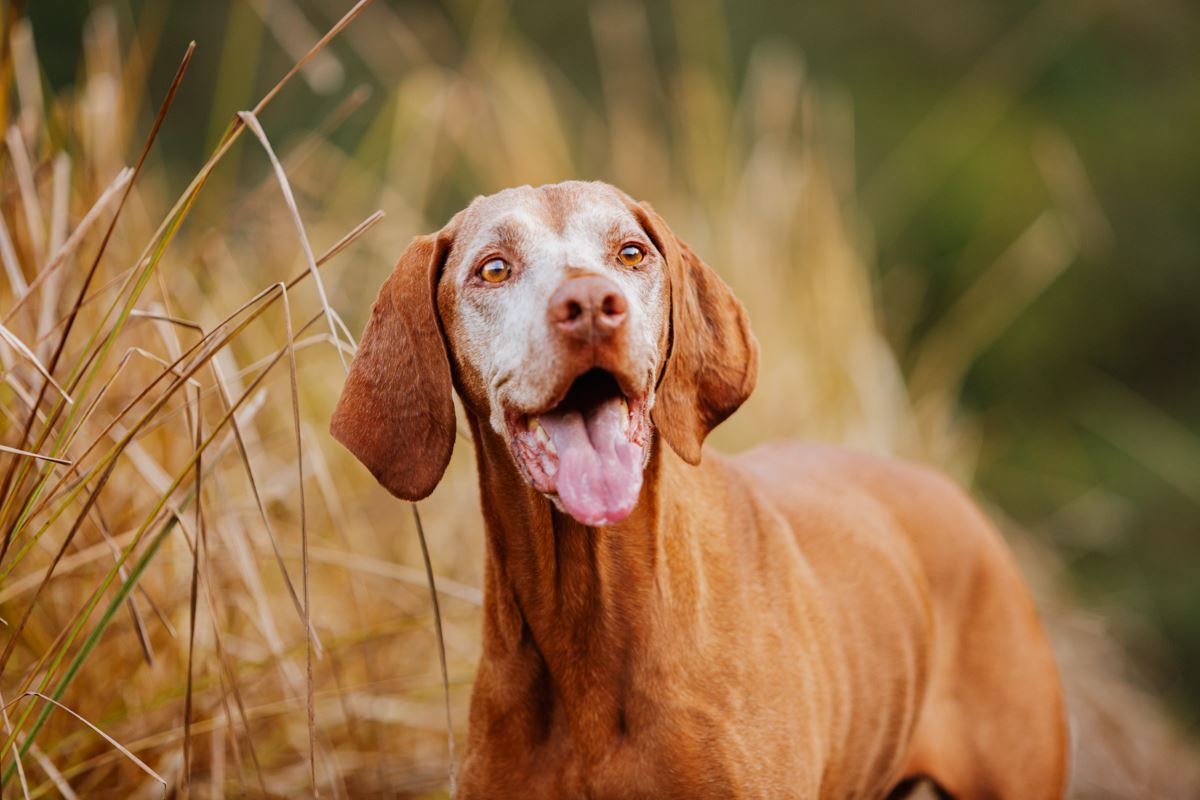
[{"x": 599, "y": 469}]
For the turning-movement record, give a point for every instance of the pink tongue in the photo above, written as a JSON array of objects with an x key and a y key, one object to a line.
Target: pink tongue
[{"x": 599, "y": 469}]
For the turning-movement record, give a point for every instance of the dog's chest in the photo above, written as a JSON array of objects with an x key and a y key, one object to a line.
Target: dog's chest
[
  {"x": 710, "y": 739},
  {"x": 704, "y": 760}
]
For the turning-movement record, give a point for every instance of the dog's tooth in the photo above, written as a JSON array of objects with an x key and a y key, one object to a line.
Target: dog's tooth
[
  {"x": 533, "y": 425},
  {"x": 624, "y": 416},
  {"x": 543, "y": 438}
]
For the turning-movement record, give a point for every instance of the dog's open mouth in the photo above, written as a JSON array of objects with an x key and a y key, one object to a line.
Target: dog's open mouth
[{"x": 589, "y": 449}]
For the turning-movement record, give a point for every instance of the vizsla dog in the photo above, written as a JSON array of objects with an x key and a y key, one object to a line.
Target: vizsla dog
[{"x": 661, "y": 620}]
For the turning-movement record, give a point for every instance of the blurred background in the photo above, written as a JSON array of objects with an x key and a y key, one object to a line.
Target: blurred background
[{"x": 966, "y": 232}]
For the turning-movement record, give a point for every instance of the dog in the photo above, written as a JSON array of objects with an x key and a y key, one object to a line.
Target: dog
[{"x": 661, "y": 620}]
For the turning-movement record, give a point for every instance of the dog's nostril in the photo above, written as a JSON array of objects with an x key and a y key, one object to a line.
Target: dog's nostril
[
  {"x": 573, "y": 311},
  {"x": 612, "y": 305}
]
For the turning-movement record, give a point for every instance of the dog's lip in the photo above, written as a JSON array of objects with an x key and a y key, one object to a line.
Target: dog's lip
[{"x": 631, "y": 389}]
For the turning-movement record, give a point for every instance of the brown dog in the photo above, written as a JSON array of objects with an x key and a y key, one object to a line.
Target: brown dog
[{"x": 796, "y": 621}]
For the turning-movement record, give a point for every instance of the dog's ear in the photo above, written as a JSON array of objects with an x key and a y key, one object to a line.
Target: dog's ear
[
  {"x": 396, "y": 414},
  {"x": 712, "y": 358}
]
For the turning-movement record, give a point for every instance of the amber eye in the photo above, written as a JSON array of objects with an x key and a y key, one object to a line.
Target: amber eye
[
  {"x": 495, "y": 270},
  {"x": 631, "y": 255}
]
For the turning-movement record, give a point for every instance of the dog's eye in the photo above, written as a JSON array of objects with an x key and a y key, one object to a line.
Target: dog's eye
[
  {"x": 631, "y": 255},
  {"x": 495, "y": 270}
]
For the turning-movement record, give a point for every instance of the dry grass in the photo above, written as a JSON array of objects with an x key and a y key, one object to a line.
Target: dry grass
[{"x": 175, "y": 514}]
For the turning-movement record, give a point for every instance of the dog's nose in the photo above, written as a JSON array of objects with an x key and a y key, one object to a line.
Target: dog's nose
[{"x": 587, "y": 308}]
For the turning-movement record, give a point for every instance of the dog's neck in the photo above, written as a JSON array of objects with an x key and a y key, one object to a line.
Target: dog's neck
[{"x": 566, "y": 607}]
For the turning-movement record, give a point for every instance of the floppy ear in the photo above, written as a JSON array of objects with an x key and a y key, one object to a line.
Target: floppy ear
[
  {"x": 396, "y": 414},
  {"x": 712, "y": 358}
]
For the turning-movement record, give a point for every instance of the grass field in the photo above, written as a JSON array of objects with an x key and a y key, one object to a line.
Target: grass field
[{"x": 175, "y": 514}]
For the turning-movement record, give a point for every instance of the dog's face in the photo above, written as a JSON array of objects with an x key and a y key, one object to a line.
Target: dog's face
[
  {"x": 573, "y": 322},
  {"x": 554, "y": 304}
]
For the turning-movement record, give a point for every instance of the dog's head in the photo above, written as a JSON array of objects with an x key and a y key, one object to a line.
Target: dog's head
[{"x": 573, "y": 322}]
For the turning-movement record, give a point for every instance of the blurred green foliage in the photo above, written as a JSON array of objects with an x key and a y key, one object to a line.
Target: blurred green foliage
[{"x": 1088, "y": 406}]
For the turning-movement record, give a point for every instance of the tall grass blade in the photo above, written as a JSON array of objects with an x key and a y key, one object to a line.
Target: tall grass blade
[
  {"x": 123, "y": 750},
  {"x": 286, "y": 188},
  {"x": 441, "y": 644}
]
